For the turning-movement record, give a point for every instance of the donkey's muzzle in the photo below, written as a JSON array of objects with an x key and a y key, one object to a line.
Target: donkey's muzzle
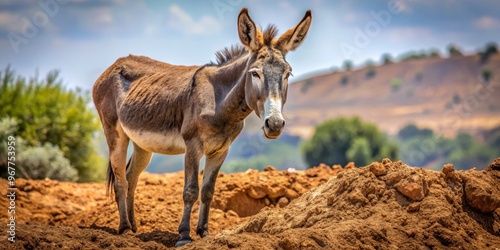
[{"x": 273, "y": 126}]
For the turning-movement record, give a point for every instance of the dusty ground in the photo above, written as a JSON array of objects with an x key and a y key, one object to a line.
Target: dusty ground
[{"x": 386, "y": 205}]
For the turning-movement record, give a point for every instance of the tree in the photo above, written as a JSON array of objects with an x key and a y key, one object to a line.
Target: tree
[
  {"x": 341, "y": 140},
  {"x": 48, "y": 114},
  {"x": 409, "y": 131},
  {"x": 453, "y": 50},
  {"x": 486, "y": 75},
  {"x": 359, "y": 151},
  {"x": 434, "y": 53},
  {"x": 387, "y": 59},
  {"x": 347, "y": 65},
  {"x": 490, "y": 49}
]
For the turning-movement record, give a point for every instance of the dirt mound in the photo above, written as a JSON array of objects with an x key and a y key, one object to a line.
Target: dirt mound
[
  {"x": 384, "y": 205},
  {"x": 60, "y": 214}
]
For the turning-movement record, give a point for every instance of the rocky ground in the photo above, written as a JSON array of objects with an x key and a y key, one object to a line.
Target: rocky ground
[{"x": 386, "y": 205}]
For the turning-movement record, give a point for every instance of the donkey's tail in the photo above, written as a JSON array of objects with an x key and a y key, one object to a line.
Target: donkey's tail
[{"x": 110, "y": 179}]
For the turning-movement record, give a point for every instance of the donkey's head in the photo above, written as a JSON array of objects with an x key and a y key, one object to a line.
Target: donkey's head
[{"x": 268, "y": 70}]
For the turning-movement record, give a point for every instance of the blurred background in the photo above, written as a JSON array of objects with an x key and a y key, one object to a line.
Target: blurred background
[{"x": 416, "y": 81}]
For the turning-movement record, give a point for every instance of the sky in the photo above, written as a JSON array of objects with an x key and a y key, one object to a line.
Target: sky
[{"x": 81, "y": 38}]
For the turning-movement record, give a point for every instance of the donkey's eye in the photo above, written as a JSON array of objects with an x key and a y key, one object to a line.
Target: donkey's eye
[{"x": 255, "y": 74}]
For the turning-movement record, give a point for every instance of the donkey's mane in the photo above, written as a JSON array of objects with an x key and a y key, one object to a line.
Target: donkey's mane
[
  {"x": 227, "y": 55},
  {"x": 269, "y": 34}
]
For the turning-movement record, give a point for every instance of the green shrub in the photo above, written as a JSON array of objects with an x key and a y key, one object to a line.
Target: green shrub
[
  {"x": 341, "y": 140},
  {"x": 410, "y": 131},
  {"x": 46, "y": 161},
  {"x": 48, "y": 113},
  {"x": 396, "y": 84},
  {"x": 387, "y": 59},
  {"x": 486, "y": 75},
  {"x": 453, "y": 50},
  {"x": 347, "y": 65},
  {"x": 490, "y": 49}
]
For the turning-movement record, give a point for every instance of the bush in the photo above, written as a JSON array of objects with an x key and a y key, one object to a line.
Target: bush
[
  {"x": 47, "y": 113},
  {"x": 371, "y": 73},
  {"x": 306, "y": 85},
  {"x": 341, "y": 140},
  {"x": 434, "y": 53},
  {"x": 47, "y": 161},
  {"x": 387, "y": 59},
  {"x": 421, "y": 147},
  {"x": 453, "y": 50},
  {"x": 344, "y": 80},
  {"x": 347, "y": 65},
  {"x": 396, "y": 84},
  {"x": 409, "y": 131},
  {"x": 359, "y": 151},
  {"x": 491, "y": 49},
  {"x": 486, "y": 75}
]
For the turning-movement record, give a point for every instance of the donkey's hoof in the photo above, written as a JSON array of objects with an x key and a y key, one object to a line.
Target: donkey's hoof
[
  {"x": 124, "y": 228},
  {"x": 202, "y": 232},
  {"x": 183, "y": 242}
]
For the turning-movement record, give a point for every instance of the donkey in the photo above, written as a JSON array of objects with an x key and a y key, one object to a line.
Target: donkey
[{"x": 196, "y": 110}]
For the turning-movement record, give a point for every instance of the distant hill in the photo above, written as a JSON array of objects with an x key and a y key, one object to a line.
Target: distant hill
[{"x": 445, "y": 94}]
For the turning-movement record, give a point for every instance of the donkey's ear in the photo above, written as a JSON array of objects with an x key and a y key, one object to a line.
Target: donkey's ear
[
  {"x": 249, "y": 35},
  {"x": 291, "y": 39}
]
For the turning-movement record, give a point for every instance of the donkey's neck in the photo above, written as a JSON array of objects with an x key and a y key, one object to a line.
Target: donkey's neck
[{"x": 232, "y": 78}]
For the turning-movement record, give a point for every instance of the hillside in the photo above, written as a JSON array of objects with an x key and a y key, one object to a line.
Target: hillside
[
  {"x": 386, "y": 205},
  {"x": 444, "y": 94}
]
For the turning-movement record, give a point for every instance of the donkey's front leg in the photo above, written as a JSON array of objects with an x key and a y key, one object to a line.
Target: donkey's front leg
[
  {"x": 210, "y": 172},
  {"x": 190, "y": 194}
]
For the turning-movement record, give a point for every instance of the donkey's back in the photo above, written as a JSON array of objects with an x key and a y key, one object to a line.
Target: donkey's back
[{"x": 146, "y": 99}]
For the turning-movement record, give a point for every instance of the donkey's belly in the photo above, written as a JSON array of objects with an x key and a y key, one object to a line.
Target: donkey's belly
[{"x": 170, "y": 143}]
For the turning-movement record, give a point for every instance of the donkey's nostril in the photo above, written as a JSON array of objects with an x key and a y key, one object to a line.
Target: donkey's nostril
[
  {"x": 267, "y": 123},
  {"x": 283, "y": 124}
]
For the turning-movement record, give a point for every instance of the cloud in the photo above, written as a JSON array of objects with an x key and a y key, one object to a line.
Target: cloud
[
  {"x": 407, "y": 34},
  {"x": 184, "y": 23},
  {"x": 486, "y": 23},
  {"x": 9, "y": 22}
]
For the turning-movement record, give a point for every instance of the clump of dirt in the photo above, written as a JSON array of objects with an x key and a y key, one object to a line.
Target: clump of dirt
[
  {"x": 383, "y": 205},
  {"x": 247, "y": 193}
]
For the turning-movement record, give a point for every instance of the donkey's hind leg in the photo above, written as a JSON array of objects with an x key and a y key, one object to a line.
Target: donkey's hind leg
[
  {"x": 118, "y": 143},
  {"x": 138, "y": 162}
]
